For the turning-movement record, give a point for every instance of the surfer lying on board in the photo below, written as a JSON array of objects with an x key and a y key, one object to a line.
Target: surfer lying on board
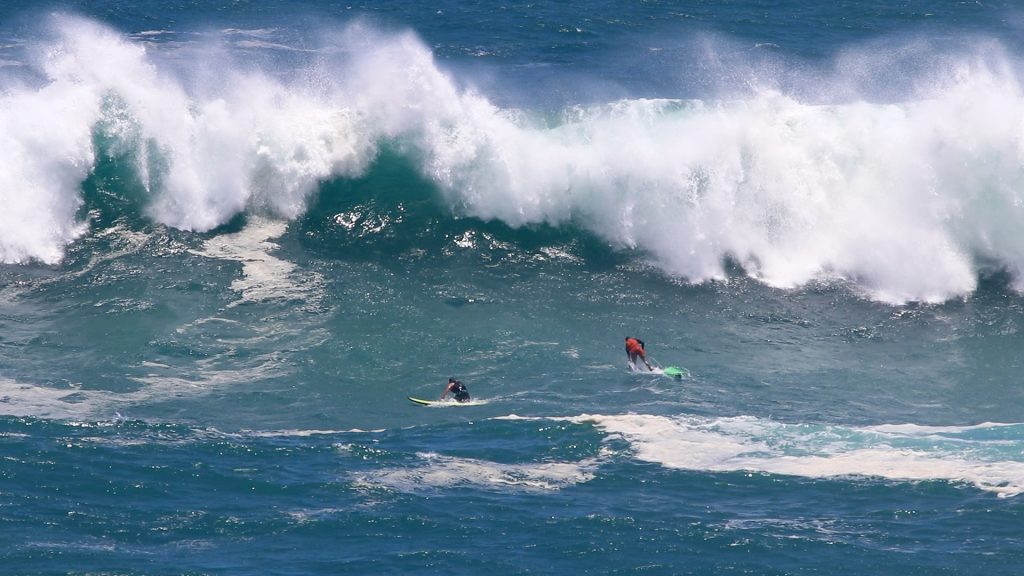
[
  {"x": 635, "y": 349},
  {"x": 457, "y": 389}
]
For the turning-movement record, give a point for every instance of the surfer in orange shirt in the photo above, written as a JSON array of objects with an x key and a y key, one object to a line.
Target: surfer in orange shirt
[{"x": 635, "y": 349}]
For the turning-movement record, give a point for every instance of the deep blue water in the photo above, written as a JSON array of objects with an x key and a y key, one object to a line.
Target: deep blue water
[{"x": 236, "y": 236}]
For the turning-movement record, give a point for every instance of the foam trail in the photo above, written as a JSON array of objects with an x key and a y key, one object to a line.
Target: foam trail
[
  {"x": 264, "y": 277},
  {"x": 446, "y": 472},
  {"x": 903, "y": 453},
  {"x": 20, "y": 399}
]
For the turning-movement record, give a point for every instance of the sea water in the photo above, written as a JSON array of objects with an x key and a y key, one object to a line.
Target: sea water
[{"x": 235, "y": 236}]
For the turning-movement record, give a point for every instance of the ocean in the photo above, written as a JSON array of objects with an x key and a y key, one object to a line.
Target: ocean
[{"x": 236, "y": 236}]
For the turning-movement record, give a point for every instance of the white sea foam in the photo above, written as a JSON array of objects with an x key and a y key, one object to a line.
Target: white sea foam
[
  {"x": 815, "y": 451},
  {"x": 307, "y": 433},
  {"x": 21, "y": 399},
  {"x": 437, "y": 471},
  {"x": 207, "y": 375},
  {"x": 909, "y": 199},
  {"x": 74, "y": 403}
]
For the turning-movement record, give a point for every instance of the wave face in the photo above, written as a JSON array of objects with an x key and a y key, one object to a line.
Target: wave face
[{"x": 909, "y": 199}]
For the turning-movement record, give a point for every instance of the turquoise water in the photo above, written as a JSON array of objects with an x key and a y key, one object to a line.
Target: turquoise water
[{"x": 237, "y": 236}]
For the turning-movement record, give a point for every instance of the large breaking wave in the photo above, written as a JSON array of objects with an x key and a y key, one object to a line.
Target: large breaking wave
[{"x": 908, "y": 200}]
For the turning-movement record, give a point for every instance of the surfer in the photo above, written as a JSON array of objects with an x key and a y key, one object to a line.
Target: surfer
[
  {"x": 457, "y": 389},
  {"x": 634, "y": 350}
]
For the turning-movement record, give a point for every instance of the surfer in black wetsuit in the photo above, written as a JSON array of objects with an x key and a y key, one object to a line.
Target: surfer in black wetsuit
[{"x": 457, "y": 389}]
